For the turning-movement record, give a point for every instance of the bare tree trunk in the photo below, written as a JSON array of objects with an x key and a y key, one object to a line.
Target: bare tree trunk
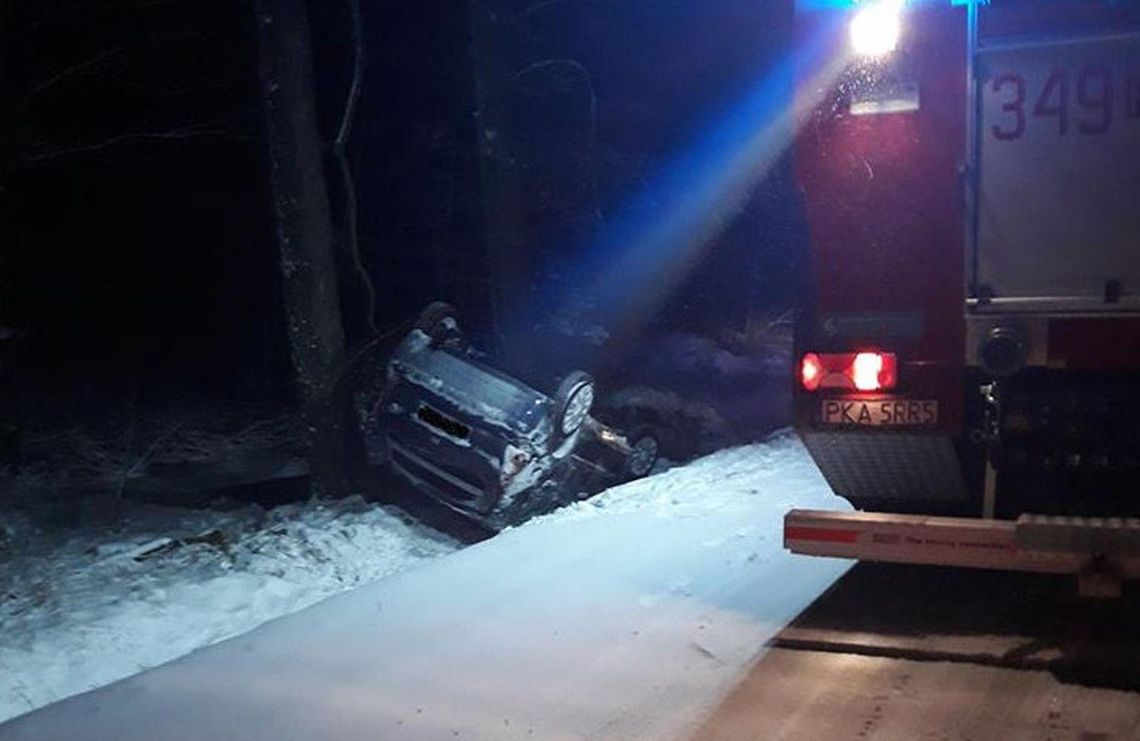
[
  {"x": 8, "y": 139},
  {"x": 304, "y": 232},
  {"x": 508, "y": 261}
]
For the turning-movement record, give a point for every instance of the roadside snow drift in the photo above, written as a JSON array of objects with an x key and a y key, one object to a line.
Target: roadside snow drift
[
  {"x": 81, "y": 610},
  {"x": 630, "y": 615}
]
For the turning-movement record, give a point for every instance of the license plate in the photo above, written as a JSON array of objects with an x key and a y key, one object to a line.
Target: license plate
[{"x": 893, "y": 413}]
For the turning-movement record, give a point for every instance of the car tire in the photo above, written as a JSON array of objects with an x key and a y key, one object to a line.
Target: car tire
[
  {"x": 574, "y": 384},
  {"x": 676, "y": 438},
  {"x": 438, "y": 320},
  {"x": 645, "y": 451}
]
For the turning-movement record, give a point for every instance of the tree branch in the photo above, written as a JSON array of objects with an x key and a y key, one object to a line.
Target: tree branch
[
  {"x": 75, "y": 69},
  {"x": 340, "y": 151},
  {"x": 538, "y": 7},
  {"x": 353, "y": 98},
  {"x": 190, "y": 132},
  {"x": 85, "y": 11}
]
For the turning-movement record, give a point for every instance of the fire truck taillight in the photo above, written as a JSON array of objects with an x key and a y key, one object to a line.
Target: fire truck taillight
[
  {"x": 811, "y": 371},
  {"x": 865, "y": 371}
]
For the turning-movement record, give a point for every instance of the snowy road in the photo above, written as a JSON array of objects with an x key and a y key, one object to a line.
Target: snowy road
[
  {"x": 896, "y": 653},
  {"x": 796, "y": 695},
  {"x": 632, "y": 615}
]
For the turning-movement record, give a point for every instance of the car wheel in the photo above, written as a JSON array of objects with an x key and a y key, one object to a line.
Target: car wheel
[
  {"x": 572, "y": 403},
  {"x": 438, "y": 320},
  {"x": 676, "y": 436},
  {"x": 644, "y": 451}
]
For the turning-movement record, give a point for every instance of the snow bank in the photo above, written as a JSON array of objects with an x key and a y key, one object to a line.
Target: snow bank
[
  {"x": 726, "y": 481},
  {"x": 630, "y": 616},
  {"x": 87, "y": 609}
]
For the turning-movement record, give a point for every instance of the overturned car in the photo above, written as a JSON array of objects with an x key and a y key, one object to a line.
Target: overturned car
[{"x": 483, "y": 442}]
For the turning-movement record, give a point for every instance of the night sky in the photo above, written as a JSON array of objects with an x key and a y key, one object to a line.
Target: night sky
[{"x": 492, "y": 141}]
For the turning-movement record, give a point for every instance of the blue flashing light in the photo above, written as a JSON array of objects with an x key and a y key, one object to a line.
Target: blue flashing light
[
  {"x": 876, "y": 28},
  {"x": 648, "y": 246}
]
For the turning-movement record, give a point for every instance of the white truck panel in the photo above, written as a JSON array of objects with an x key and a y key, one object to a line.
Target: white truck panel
[{"x": 1059, "y": 181}]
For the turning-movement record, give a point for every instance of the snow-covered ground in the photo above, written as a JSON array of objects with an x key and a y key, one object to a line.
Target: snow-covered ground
[
  {"x": 627, "y": 616},
  {"x": 82, "y": 609}
]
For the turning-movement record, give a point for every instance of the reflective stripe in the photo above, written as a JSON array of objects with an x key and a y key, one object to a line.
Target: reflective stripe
[
  {"x": 825, "y": 535},
  {"x": 1050, "y": 545}
]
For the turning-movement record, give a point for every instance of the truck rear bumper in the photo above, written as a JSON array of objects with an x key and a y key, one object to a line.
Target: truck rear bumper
[
  {"x": 1101, "y": 550},
  {"x": 886, "y": 468}
]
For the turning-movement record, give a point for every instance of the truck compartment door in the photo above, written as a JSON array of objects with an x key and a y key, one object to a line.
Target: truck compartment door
[{"x": 1058, "y": 226}]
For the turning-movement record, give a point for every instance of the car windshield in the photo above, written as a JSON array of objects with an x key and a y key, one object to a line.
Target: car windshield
[{"x": 570, "y": 369}]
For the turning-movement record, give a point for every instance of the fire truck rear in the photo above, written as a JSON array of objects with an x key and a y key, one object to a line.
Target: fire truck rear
[{"x": 969, "y": 371}]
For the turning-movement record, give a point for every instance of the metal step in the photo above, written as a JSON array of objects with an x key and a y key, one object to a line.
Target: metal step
[
  {"x": 1101, "y": 551},
  {"x": 1111, "y": 536}
]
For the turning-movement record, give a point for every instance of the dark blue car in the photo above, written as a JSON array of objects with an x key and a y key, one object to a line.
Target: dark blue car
[{"x": 483, "y": 442}]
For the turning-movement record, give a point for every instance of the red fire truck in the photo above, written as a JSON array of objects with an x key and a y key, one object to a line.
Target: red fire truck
[{"x": 969, "y": 372}]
